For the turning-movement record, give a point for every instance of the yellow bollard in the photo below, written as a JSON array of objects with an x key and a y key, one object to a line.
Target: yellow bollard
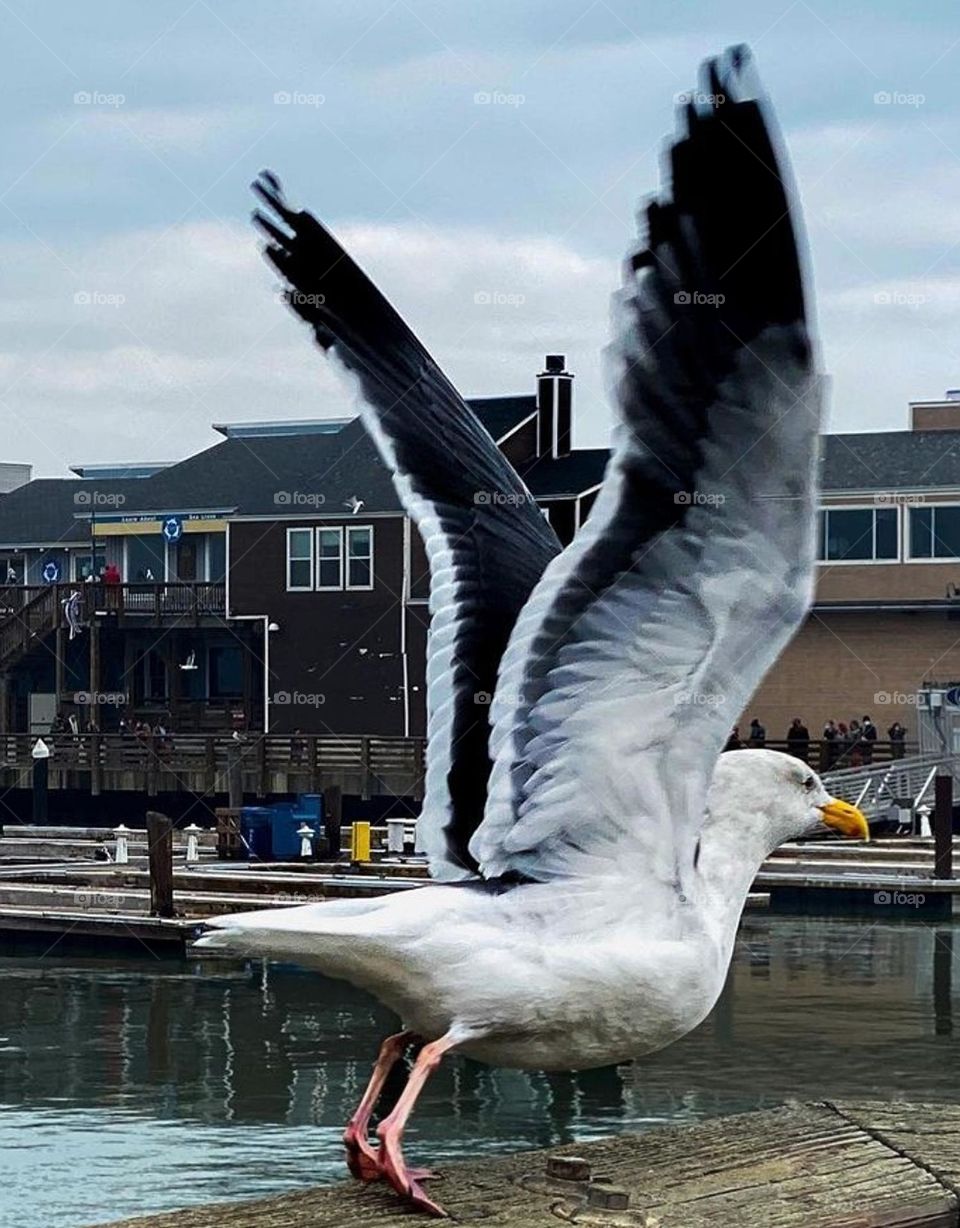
[{"x": 360, "y": 842}]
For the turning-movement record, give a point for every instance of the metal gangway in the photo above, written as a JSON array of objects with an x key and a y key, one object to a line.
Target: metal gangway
[{"x": 881, "y": 790}]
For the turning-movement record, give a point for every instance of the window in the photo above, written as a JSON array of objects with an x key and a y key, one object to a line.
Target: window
[
  {"x": 858, "y": 535},
  {"x": 226, "y": 673},
  {"x": 359, "y": 557},
  {"x": 934, "y": 532},
  {"x": 329, "y": 558},
  {"x": 82, "y": 565},
  {"x": 216, "y": 557},
  {"x": 299, "y": 559},
  {"x": 146, "y": 558}
]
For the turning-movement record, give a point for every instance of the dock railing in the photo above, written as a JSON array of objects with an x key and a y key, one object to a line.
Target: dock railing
[
  {"x": 907, "y": 783},
  {"x": 177, "y": 762}
]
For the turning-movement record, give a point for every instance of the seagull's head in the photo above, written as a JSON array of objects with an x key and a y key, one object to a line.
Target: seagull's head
[{"x": 782, "y": 796}]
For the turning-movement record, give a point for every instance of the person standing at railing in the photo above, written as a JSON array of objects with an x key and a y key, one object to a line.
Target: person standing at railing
[
  {"x": 897, "y": 734},
  {"x": 829, "y": 745},
  {"x": 868, "y": 735},
  {"x": 798, "y": 739}
]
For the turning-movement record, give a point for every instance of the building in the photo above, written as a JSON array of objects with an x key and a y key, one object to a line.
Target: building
[
  {"x": 271, "y": 582},
  {"x": 887, "y": 613}
]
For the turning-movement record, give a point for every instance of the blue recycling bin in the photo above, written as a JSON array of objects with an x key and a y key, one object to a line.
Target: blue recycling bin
[
  {"x": 310, "y": 808},
  {"x": 283, "y": 827},
  {"x": 257, "y": 833}
]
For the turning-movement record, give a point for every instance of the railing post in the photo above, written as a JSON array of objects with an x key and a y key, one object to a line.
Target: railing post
[
  {"x": 365, "y": 768},
  {"x": 943, "y": 826},
  {"x": 210, "y": 749}
]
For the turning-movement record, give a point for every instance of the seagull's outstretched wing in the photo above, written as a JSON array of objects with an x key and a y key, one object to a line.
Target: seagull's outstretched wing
[
  {"x": 486, "y": 541},
  {"x": 645, "y": 639}
]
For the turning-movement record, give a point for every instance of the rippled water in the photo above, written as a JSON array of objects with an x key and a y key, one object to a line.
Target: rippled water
[{"x": 142, "y": 1086}]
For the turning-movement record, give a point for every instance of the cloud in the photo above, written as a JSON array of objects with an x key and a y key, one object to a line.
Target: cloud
[{"x": 143, "y": 340}]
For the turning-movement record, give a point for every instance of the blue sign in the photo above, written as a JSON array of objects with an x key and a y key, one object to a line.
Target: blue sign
[
  {"x": 172, "y": 528},
  {"x": 952, "y": 697},
  {"x": 51, "y": 572}
]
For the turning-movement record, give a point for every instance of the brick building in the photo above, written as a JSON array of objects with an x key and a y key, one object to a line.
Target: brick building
[{"x": 887, "y": 612}]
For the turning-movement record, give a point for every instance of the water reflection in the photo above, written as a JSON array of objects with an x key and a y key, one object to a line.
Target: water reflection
[{"x": 136, "y": 1086}]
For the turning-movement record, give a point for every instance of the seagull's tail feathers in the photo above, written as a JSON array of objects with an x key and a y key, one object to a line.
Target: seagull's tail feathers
[{"x": 343, "y": 938}]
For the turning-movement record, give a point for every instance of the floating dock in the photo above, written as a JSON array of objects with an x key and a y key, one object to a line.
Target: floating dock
[
  {"x": 53, "y": 885},
  {"x": 822, "y": 1165}
]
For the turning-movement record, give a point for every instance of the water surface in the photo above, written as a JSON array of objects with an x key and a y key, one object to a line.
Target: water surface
[{"x": 138, "y": 1086}]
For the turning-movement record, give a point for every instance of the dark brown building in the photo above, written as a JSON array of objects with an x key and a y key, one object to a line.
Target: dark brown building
[{"x": 270, "y": 582}]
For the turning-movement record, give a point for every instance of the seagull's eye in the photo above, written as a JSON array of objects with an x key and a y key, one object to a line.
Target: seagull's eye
[{"x": 809, "y": 782}]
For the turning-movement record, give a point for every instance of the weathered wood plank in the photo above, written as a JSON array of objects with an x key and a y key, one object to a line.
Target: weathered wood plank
[{"x": 801, "y": 1166}]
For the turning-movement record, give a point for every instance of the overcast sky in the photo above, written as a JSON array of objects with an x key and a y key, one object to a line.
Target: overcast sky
[{"x": 483, "y": 161}]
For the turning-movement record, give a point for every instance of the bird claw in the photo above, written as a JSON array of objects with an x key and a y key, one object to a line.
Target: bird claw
[
  {"x": 406, "y": 1182},
  {"x": 362, "y": 1159}
]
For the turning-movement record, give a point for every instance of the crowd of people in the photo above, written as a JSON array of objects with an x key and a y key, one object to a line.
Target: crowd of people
[{"x": 841, "y": 744}]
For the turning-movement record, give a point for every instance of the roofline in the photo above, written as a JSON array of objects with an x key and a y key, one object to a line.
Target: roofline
[
  {"x": 868, "y": 606},
  {"x": 516, "y": 427},
  {"x": 317, "y": 514},
  {"x": 278, "y": 426}
]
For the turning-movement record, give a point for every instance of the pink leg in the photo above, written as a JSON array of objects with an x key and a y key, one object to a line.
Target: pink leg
[
  {"x": 362, "y": 1160},
  {"x": 390, "y": 1131}
]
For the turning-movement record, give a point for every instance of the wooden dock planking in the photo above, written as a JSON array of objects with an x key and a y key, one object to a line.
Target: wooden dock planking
[{"x": 863, "y": 1165}]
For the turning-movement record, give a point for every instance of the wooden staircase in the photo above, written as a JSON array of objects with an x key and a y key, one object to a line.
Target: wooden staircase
[{"x": 25, "y": 620}]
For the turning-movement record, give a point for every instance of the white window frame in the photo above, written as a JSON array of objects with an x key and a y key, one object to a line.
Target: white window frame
[
  {"x": 309, "y": 557},
  {"x": 863, "y": 507},
  {"x": 328, "y": 528},
  {"x": 907, "y": 537},
  {"x": 350, "y": 530}
]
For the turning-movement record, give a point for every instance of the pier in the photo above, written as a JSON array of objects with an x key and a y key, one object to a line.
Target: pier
[
  {"x": 815, "y": 1165},
  {"x": 62, "y": 885}
]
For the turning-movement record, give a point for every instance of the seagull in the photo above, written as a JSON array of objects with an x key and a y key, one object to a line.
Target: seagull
[
  {"x": 354, "y": 504},
  {"x": 590, "y": 846}
]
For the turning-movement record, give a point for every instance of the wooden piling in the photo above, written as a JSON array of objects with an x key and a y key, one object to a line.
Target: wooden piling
[
  {"x": 332, "y": 819},
  {"x": 235, "y": 779},
  {"x": 160, "y": 853},
  {"x": 943, "y": 826}
]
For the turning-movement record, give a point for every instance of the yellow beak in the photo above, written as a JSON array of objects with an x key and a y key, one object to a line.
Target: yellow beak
[{"x": 846, "y": 819}]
